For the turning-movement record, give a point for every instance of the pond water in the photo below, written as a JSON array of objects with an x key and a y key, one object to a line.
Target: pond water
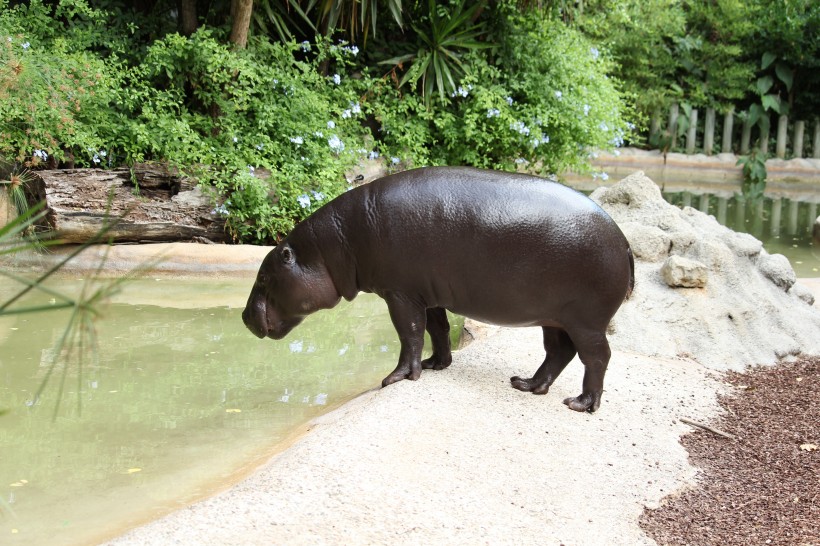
[{"x": 181, "y": 401}]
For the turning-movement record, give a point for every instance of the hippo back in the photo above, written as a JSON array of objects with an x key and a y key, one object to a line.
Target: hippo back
[{"x": 501, "y": 247}]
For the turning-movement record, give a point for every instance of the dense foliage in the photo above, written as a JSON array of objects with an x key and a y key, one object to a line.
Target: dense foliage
[{"x": 271, "y": 123}]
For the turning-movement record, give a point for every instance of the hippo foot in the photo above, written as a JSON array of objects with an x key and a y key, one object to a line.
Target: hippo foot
[
  {"x": 402, "y": 372},
  {"x": 584, "y": 402},
  {"x": 436, "y": 362},
  {"x": 530, "y": 385}
]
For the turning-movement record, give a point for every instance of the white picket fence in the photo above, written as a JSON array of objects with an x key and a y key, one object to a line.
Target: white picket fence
[{"x": 700, "y": 138}]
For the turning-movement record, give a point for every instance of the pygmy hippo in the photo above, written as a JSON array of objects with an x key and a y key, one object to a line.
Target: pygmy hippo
[{"x": 508, "y": 249}]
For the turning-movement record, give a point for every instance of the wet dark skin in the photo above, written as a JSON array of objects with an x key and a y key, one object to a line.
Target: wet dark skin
[{"x": 502, "y": 248}]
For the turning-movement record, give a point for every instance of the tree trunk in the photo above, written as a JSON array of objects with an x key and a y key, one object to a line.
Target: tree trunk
[
  {"x": 187, "y": 17},
  {"x": 156, "y": 205},
  {"x": 241, "y": 11}
]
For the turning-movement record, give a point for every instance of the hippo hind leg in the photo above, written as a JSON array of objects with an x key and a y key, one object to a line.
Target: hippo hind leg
[
  {"x": 594, "y": 352},
  {"x": 560, "y": 350},
  {"x": 439, "y": 329}
]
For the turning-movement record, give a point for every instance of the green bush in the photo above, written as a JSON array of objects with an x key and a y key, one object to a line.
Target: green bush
[
  {"x": 270, "y": 130},
  {"x": 51, "y": 93},
  {"x": 547, "y": 110}
]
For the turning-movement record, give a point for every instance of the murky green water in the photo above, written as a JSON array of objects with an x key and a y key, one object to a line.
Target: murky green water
[
  {"x": 783, "y": 225},
  {"x": 181, "y": 400}
]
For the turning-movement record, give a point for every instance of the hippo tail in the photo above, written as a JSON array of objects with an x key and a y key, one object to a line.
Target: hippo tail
[{"x": 631, "y": 273}]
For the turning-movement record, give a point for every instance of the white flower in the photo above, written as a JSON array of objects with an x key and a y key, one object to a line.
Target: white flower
[
  {"x": 355, "y": 108},
  {"x": 520, "y": 127},
  {"x": 509, "y": 100},
  {"x": 521, "y": 161},
  {"x": 296, "y": 346},
  {"x": 337, "y": 79},
  {"x": 251, "y": 170},
  {"x": 297, "y": 140},
  {"x": 336, "y": 144},
  {"x": 26, "y": 45},
  {"x": 41, "y": 154},
  {"x": 594, "y": 51},
  {"x": 318, "y": 196},
  {"x": 373, "y": 155},
  {"x": 493, "y": 112},
  {"x": 586, "y": 109},
  {"x": 545, "y": 139},
  {"x": 604, "y": 176},
  {"x": 318, "y": 134},
  {"x": 304, "y": 200},
  {"x": 260, "y": 146},
  {"x": 305, "y": 46},
  {"x": 331, "y": 124},
  {"x": 603, "y": 126},
  {"x": 346, "y": 114},
  {"x": 558, "y": 95},
  {"x": 395, "y": 160},
  {"x": 235, "y": 140}
]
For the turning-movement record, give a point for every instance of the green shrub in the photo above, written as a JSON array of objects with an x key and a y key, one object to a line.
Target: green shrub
[
  {"x": 51, "y": 94},
  {"x": 550, "y": 106}
]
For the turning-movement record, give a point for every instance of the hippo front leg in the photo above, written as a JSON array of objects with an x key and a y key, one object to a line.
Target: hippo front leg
[{"x": 409, "y": 319}]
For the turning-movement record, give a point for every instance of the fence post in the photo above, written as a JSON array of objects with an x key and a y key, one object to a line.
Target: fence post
[
  {"x": 709, "y": 131},
  {"x": 777, "y": 210},
  {"x": 745, "y": 136},
  {"x": 728, "y": 122},
  {"x": 655, "y": 125},
  {"x": 692, "y": 134},
  {"x": 672, "y": 127},
  {"x": 782, "y": 136},
  {"x": 799, "y": 128},
  {"x": 815, "y": 147},
  {"x": 763, "y": 142}
]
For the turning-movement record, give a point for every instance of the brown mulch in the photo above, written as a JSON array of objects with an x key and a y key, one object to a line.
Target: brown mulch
[{"x": 764, "y": 486}]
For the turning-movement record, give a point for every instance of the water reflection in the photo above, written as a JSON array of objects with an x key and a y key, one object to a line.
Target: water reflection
[
  {"x": 784, "y": 225},
  {"x": 177, "y": 400}
]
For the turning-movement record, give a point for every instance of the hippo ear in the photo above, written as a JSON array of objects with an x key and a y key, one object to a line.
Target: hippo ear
[{"x": 287, "y": 255}]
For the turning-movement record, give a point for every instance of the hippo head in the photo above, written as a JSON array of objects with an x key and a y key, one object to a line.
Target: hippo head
[{"x": 286, "y": 290}]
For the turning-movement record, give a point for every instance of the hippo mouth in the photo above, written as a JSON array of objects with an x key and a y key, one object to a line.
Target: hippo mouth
[
  {"x": 282, "y": 328},
  {"x": 262, "y": 321}
]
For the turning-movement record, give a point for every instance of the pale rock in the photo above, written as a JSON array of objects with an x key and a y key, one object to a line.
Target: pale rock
[
  {"x": 802, "y": 292},
  {"x": 648, "y": 243},
  {"x": 776, "y": 268},
  {"x": 742, "y": 316},
  {"x": 678, "y": 271}
]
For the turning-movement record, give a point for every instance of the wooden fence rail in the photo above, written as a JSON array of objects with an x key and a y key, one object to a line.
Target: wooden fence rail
[{"x": 700, "y": 136}]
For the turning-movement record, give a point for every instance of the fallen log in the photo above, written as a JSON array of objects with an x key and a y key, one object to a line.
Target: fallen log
[{"x": 156, "y": 205}]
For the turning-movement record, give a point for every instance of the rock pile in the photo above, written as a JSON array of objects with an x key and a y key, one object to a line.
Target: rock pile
[{"x": 703, "y": 291}]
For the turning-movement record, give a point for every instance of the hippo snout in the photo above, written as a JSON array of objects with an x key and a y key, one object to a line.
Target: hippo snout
[{"x": 255, "y": 322}]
